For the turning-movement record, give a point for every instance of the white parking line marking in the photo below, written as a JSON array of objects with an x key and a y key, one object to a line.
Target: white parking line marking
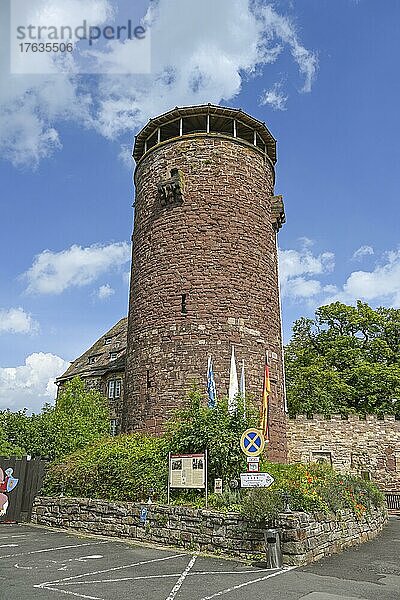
[
  {"x": 9, "y": 546},
  {"x": 241, "y": 585},
  {"x": 181, "y": 579},
  {"x": 72, "y": 593},
  {"x": 51, "y": 549},
  {"x": 142, "y": 562},
  {"x": 138, "y": 577}
]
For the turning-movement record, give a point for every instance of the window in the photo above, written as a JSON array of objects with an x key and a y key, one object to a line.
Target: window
[
  {"x": 113, "y": 427},
  {"x": 92, "y": 360},
  {"x": 107, "y": 340},
  {"x": 113, "y": 355},
  {"x": 114, "y": 388},
  {"x": 183, "y": 304},
  {"x": 321, "y": 457},
  {"x": 148, "y": 381}
]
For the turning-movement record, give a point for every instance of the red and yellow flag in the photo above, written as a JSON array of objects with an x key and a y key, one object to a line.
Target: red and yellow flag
[{"x": 264, "y": 425}]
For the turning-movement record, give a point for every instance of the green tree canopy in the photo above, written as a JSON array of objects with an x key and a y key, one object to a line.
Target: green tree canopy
[
  {"x": 195, "y": 428},
  {"x": 79, "y": 418},
  {"x": 345, "y": 360}
]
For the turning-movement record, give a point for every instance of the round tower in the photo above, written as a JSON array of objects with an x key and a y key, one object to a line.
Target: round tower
[{"x": 204, "y": 264}]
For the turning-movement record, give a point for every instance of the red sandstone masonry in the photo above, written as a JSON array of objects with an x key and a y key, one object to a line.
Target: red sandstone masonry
[
  {"x": 306, "y": 537},
  {"x": 219, "y": 248},
  {"x": 358, "y": 445}
]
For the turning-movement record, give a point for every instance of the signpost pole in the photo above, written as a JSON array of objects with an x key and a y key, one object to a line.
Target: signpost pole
[
  {"x": 206, "y": 475},
  {"x": 169, "y": 468}
]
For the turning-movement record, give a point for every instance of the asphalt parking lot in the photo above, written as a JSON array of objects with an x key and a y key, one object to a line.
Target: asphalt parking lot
[{"x": 43, "y": 564}]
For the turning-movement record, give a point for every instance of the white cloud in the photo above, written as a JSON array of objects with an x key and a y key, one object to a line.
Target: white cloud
[
  {"x": 363, "y": 251},
  {"x": 382, "y": 284},
  {"x": 299, "y": 287},
  {"x": 32, "y": 384},
  {"x": 31, "y": 105},
  {"x": 54, "y": 272},
  {"x": 125, "y": 156},
  {"x": 126, "y": 277},
  {"x": 201, "y": 52},
  {"x": 16, "y": 320},
  {"x": 298, "y": 269},
  {"x": 275, "y": 97},
  {"x": 282, "y": 28},
  {"x": 104, "y": 292}
]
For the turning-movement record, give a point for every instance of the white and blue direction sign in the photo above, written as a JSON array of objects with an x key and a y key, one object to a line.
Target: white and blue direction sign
[{"x": 252, "y": 442}]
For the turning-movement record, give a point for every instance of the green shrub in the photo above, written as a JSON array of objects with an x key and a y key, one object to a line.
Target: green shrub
[
  {"x": 80, "y": 417},
  {"x": 196, "y": 428},
  {"x": 309, "y": 488},
  {"x": 124, "y": 467},
  {"x": 127, "y": 467}
]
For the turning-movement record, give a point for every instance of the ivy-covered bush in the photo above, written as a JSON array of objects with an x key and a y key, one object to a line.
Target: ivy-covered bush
[{"x": 125, "y": 467}]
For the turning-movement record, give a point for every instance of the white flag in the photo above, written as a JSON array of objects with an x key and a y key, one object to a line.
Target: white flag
[
  {"x": 233, "y": 386},
  {"x": 243, "y": 389}
]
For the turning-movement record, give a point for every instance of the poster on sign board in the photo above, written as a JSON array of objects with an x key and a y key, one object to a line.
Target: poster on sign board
[{"x": 187, "y": 471}]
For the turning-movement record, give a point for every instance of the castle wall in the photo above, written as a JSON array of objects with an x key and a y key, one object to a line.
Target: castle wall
[
  {"x": 218, "y": 248},
  {"x": 369, "y": 447}
]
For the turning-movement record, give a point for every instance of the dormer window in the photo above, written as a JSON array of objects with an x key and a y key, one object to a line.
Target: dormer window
[
  {"x": 113, "y": 355},
  {"x": 107, "y": 340},
  {"x": 92, "y": 360}
]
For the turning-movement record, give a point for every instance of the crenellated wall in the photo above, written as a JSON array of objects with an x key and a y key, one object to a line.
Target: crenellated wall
[{"x": 368, "y": 447}]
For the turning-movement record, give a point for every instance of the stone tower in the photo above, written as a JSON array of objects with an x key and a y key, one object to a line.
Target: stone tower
[{"x": 204, "y": 263}]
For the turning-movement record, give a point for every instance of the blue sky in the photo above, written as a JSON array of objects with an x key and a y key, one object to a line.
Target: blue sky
[{"x": 324, "y": 77}]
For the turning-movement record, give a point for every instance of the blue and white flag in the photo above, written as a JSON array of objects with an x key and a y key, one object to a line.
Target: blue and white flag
[{"x": 212, "y": 393}]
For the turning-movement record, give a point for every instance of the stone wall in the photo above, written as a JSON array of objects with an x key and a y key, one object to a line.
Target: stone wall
[
  {"x": 305, "y": 537},
  {"x": 369, "y": 447}
]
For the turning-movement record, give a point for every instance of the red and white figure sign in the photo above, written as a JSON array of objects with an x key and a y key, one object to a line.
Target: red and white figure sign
[{"x": 7, "y": 484}]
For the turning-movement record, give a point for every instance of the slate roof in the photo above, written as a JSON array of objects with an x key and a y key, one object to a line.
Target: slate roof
[{"x": 96, "y": 361}]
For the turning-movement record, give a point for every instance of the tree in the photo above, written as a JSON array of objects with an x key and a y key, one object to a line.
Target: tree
[
  {"x": 345, "y": 360},
  {"x": 7, "y": 448},
  {"x": 79, "y": 418},
  {"x": 195, "y": 428},
  {"x": 15, "y": 432}
]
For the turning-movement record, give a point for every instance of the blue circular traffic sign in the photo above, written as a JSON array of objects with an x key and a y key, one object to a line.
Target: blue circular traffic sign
[{"x": 252, "y": 442}]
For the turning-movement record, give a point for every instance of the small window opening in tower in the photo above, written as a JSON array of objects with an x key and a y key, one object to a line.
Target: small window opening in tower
[
  {"x": 174, "y": 172},
  {"x": 148, "y": 382},
  {"x": 183, "y": 304}
]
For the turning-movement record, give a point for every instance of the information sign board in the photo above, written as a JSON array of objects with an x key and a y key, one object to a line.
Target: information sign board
[{"x": 187, "y": 471}]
